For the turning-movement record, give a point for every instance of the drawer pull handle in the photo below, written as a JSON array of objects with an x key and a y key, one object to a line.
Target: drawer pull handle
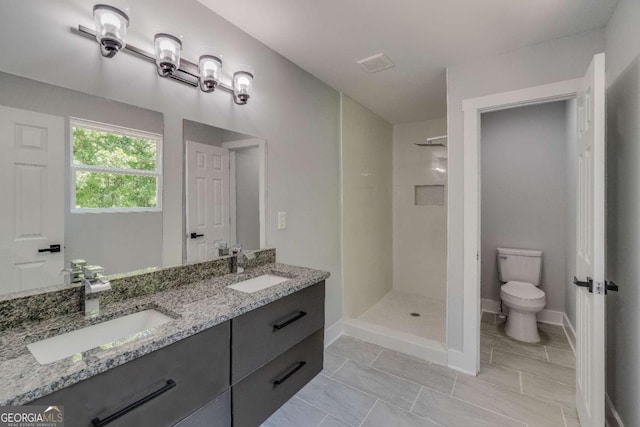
[
  {"x": 292, "y": 371},
  {"x": 286, "y": 323},
  {"x": 97, "y": 422}
]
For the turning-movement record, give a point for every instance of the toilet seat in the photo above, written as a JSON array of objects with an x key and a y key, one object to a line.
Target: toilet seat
[
  {"x": 522, "y": 290},
  {"x": 523, "y": 294}
]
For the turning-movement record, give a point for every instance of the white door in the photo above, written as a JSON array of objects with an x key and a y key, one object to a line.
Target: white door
[
  {"x": 32, "y": 200},
  {"x": 590, "y": 306},
  {"x": 207, "y": 200}
]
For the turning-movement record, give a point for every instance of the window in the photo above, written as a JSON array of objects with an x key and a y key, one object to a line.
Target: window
[{"x": 114, "y": 169}]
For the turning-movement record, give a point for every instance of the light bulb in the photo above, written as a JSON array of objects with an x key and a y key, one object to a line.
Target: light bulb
[
  {"x": 209, "y": 67},
  {"x": 242, "y": 85},
  {"x": 167, "y": 50},
  {"x": 111, "y": 28}
]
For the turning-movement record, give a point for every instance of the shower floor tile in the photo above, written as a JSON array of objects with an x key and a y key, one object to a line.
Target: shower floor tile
[{"x": 395, "y": 310}]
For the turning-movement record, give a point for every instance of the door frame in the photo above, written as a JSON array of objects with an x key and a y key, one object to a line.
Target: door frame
[
  {"x": 261, "y": 145},
  {"x": 469, "y": 359}
]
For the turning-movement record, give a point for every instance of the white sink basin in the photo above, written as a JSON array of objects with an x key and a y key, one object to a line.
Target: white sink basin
[
  {"x": 127, "y": 327},
  {"x": 258, "y": 283}
]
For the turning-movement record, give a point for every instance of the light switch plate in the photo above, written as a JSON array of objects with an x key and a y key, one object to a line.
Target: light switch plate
[{"x": 282, "y": 220}]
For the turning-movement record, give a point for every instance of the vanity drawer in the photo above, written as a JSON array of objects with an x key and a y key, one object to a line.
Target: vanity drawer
[
  {"x": 198, "y": 367},
  {"x": 262, "y": 334},
  {"x": 216, "y": 413},
  {"x": 260, "y": 394}
]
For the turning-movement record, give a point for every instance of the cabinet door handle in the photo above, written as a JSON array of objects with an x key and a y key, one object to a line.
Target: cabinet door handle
[
  {"x": 292, "y": 371},
  {"x": 97, "y": 422},
  {"x": 286, "y": 323}
]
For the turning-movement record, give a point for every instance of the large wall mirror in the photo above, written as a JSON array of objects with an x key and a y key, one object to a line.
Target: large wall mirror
[
  {"x": 82, "y": 181},
  {"x": 225, "y": 175}
]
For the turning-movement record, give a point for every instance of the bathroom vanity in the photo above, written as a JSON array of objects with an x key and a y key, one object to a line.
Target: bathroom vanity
[{"x": 226, "y": 358}]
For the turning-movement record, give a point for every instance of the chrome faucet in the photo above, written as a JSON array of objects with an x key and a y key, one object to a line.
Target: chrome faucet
[
  {"x": 94, "y": 284},
  {"x": 75, "y": 270},
  {"x": 239, "y": 259}
]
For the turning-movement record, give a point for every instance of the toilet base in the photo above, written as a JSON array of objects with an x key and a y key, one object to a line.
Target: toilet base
[{"x": 522, "y": 326}]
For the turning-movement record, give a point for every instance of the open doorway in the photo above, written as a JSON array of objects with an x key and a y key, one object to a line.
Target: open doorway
[
  {"x": 528, "y": 228},
  {"x": 592, "y": 287},
  {"x": 225, "y": 191}
]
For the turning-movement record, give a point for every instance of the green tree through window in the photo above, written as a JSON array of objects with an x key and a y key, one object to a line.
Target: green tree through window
[{"x": 113, "y": 170}]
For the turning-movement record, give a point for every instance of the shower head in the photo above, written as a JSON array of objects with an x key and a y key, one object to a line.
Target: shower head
[{"x": 436, "y": 141}]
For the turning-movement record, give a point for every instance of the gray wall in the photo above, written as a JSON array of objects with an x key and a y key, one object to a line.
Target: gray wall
[
  {"x": 120, "y": 242},
  {"x": 560, "y": 59},
  {"x": 523, "y": 152},
  {"x": 623, "y": 210},
  {"x": 571, "y": 210},
  {"x": 296, "y": 113},
  {"x": 248, "y": 198},
  {"x": 204, "y": 134}
]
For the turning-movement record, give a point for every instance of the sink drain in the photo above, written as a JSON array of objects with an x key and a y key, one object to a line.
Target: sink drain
[{"x": 415, "y": 314}]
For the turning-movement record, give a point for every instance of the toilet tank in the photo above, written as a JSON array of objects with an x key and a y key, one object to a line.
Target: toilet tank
[{"x": 521, "y": 265}]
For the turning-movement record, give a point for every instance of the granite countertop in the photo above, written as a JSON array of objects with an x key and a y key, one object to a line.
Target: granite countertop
[{"x": 194, "y": 307}]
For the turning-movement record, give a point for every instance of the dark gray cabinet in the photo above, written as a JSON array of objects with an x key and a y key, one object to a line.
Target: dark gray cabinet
[
  {"x": 266, "y": 332},
  {"x": 198, "y": 366},
  {"x": 275, "y": 351},
  {"x": 260, "y": 394},
  {"x": 214, "y": 414}
]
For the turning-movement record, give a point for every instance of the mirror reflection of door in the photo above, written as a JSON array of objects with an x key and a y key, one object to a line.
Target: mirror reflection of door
[
  {"x": 208, "y": 209},
  {"x": 32, "y": 194},
  {"x": 245, "y": 192}
]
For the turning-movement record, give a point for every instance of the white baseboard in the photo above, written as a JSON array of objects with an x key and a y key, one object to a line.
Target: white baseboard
[
  {"x": 490, "y": 306},
  {"x": 570, "y": 331},
  {"x": 459, "y": 361},
  {"x": 332, "y": 333},
  {"x": 544, "y": 316},
  {"x": 612, "y": 416}
]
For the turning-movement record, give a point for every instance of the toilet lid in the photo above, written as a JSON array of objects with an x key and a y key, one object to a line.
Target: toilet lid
[{"x": 522, "y": 290}]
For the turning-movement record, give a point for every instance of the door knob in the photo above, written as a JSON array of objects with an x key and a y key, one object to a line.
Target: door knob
[{"x": 196, "y": 235}]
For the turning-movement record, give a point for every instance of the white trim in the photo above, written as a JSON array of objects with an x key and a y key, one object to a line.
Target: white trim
[
  {"x": 332, "y": 333},
  {"x": 570, "y": 331},
  {"x": 490, "y": 306},
  {"x": 612, "y": 413},
  {"x": 261, "y": 145},
  {"x": 403, "y": 342},
  {"x": 551, "y": 317},
  {"x": 118, "y": 130},
  {"x": 472, "y": 108},
  {"x": 341, "y": 159},
  {"x": 232, "y": 198},
  {"x": 459, "y": 361}
]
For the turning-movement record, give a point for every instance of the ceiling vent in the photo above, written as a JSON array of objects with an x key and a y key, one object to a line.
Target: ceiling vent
[{"x": 376, "y": 63}]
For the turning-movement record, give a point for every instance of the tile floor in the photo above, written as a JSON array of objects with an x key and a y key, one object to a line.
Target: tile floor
[
  {"x": 365, "y": 385},
  {"x": 394, "y": 311}
]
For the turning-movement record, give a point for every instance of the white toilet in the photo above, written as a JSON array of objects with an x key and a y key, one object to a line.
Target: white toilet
[{"x": 520, "y": 270}]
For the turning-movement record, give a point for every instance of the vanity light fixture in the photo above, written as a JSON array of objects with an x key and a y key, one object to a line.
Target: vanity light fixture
[
  {"x": 111, "y": 28},
  {"x": 167, "y": 49},
  {"x": 242, "y": 85},
  {"x": 209, "y": 67},
  {"x": 110, "y": 31}
]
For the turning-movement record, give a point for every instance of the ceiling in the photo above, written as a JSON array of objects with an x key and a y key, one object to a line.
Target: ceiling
[{"x": 422, "y": 37}]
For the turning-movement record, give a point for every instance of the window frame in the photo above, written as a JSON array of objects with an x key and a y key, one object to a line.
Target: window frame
[{"x": 133, "y": 133}]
